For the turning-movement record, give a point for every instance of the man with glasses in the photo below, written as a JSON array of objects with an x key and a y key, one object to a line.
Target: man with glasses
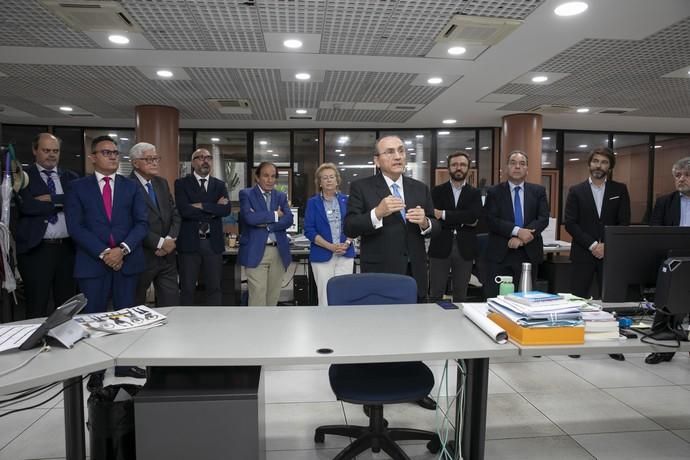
[
  {"x": 517, "y": 212},
  {"x": 108, "y": 221},
  {"x": 673, "y": 210},
  {"x": 202, "y": 202},
  {"x": 164, "y": 225},
  {"x": 45, "y": 252}
]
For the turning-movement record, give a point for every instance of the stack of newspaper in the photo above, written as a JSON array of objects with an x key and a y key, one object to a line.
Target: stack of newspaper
[{"x": 125, "y": 320}]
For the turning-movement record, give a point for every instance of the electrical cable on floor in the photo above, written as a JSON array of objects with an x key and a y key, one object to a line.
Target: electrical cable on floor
[
  {"x": 445, "y": 425},
  {"x": 24, "y": 396},
  {"x": 80, "y": 382},
  {"x": 27, "y": 361}
]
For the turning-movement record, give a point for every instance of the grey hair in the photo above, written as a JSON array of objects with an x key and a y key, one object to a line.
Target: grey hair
[
  {"x": 137, "y": 151},
  {"x": 681, "y": 165}
]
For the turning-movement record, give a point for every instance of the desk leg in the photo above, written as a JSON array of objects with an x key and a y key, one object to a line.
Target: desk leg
[
  {"x": 474, "y": 427},
  {"x": 74, "y": 419}
]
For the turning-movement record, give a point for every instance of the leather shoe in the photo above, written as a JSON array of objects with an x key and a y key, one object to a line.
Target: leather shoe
[
  {"x": 95, "y": 382},
  {"x": 617, "y": 356},
  {"x": 574, "y": 356},
  {"x": 427, "y": 403},
  {"x": 130, "y": 371},
  {"x": 656, "y": 358}
]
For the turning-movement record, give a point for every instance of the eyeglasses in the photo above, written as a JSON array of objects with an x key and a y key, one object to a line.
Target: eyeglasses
[
  {"x": 680, "y": 175},
  {"x": 150, "y": 160},
  {"x": 55, "y": 151},
  {"x": 108, "y": 153},
  {"x": 203, "y": 158}
]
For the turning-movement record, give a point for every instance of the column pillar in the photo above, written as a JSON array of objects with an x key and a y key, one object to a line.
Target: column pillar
[
  {"x": 159, "y": 125},
  {"x": 522, "y": 131}
]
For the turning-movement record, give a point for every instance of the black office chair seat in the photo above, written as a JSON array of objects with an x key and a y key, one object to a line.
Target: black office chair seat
[{"x": 374, "y": 385}]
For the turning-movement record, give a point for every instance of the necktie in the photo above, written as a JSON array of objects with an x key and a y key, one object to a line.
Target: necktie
[
  {"x": 203, "y": 184},
  {"x": 267, "y": 199},
  {"x": 152, "y": 194},
  {"x": 396, "y": 193},
  {"x": 517, "y": 205},
  {"x": 108, "y": 205},
  {"x": 53, "y": 218},
  {"x": 204, "y": 227}
]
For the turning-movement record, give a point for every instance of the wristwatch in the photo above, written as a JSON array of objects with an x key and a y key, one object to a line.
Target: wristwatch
[{"x": 125, "y": 251}]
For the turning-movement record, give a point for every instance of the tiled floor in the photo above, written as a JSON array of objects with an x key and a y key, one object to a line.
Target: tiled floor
[{"x": 545, "y": 408}]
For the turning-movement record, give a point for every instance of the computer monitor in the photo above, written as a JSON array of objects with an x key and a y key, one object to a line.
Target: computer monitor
[
  {"x": 294, "y": 228},
  {"x": 633, "y": 256}
]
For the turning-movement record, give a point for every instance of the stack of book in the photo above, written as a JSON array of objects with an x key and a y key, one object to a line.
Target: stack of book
[
  {"x": 600, "y": 325},
  {"x": 539, "y": 318}
]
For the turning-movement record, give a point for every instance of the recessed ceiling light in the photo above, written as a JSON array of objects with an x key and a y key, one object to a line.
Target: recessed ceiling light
[
  {"x": 546, "y": 163},
  {"x": 370, "y": 162},
  {"x": 540, "y": 79},
  {"x": 118, "y": 39},
  {"x": 66, "y": 108},
  {"x": 449, "y": 121},
  {"x": 112, "y": 135},
  {"x": 583, "y": 146},
  {"x": 301, "y": 111},
  {"x": 408, "y": 142},
  {"x": 420, "y": 136},
  {"x": 355, "y": 174},
  {"x": 413, "y": 153},
  {"x": 338, "y": 150},
  {"x": 124, "y": 138},
  {"x": 275, "y": 154},
  {"x": 292, "y": 43},
  {"x": 410, "y": 150},
  {"x": 263, "y": 142},
  {"x": 302, "y": 76},
  {"x": 582, "y": 110},
  {"x": 468, "y": 148},
  {"x": 341, "y": 162},
  {"x": 658, "y": 146},
  {"x": 443, "y": 133},
  {"x": 164, "y": 73},
  {"x": 215, "y": 139},
  {"x": 423, "y": 161},
  {"x": 269, "y": 151},
  {"x": 486, "y": 147},
  {"x": 574, "y": 159},
  {"x": 571, "y": 8},
  {"x": 435, "y": 80},
  {"x": 343, "y": 139},
  {"x": 442, "y": 161},
  {"x": 546, "y": 138},
  {"x": 341, "y": 154},
  {"x": 456, "y": 50},
  {"x": 342, "y": 169}
]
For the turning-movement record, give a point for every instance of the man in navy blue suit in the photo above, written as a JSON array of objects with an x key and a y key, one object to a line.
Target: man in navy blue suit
[
  {"x": 517, "y": 212},
  {"x": 264, "y": 246},
  {"x": 202, "y": 201},
  {"x": 108, "y": 220},
  {"x": 45, "y": 253}
]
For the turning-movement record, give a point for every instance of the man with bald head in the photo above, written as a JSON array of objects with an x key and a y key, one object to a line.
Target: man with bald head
[
  {"x": 202, "y": 202},
  {"x": 45, "y": 252}
]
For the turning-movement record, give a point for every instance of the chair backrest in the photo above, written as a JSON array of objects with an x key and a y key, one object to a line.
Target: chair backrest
[{"x": 371, "y": 289}]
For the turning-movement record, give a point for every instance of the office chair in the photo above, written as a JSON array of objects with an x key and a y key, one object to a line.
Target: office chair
[{"x": 376, "y": 384}]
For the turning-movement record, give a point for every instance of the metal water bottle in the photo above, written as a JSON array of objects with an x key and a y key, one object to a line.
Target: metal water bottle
[{"x": 526, "y": 277}]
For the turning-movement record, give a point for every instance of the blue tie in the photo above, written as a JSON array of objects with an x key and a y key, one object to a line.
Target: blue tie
[
  {"x": 396, "y": 193},
  {"x": 517, "y": 205},
  {"x": 152, "y": 194},
  {"x": 53, "y": 218}
]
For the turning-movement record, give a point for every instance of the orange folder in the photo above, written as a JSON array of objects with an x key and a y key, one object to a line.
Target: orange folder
[{"x": 574, "y": 335}]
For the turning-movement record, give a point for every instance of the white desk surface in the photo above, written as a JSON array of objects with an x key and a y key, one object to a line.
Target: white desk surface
[
  {"x": 223, "y": 336},
  {"x": 51, "y": 366}
]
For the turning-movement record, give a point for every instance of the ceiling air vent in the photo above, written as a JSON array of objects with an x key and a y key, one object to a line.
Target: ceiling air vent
[
  {"x": 475, "y": 30},
  {"x": 546, "y": 108},
  {"x": 616, "y": 111},
  {"x": 405, "y": 107},
  {"x": 81, "y": 115},
  {"x": 92, "y": 16},
  {"x": 231, "y": 105},
  {"x": 300, "y": 117}
]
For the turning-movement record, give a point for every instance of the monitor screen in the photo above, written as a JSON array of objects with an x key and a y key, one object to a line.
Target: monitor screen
[
  {"x": 294, "y": 228},
  {"x": 633, "y": 256}
]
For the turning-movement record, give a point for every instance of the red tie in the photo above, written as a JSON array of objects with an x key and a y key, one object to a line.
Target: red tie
[{"x": 108, "y": 204}]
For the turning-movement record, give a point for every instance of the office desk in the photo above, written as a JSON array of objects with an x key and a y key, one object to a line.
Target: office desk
[{"x": 59, "y": 364}]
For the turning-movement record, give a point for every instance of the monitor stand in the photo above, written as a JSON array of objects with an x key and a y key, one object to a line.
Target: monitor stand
[{"x": 668, "y": 327}]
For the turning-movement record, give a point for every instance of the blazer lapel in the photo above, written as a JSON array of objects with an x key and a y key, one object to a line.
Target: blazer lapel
[{"x": 144, "y": 190}]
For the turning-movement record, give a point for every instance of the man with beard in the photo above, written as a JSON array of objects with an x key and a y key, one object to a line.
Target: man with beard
[
  {"x": 590, "y": 206},
  {"x": 673, "y": 210},
  {"x": 457, "y": 205}
]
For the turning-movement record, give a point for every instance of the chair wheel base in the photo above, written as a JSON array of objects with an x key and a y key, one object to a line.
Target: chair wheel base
[
  {"x": 319, "y": 437},
  {"x": 434, "y": 446}
]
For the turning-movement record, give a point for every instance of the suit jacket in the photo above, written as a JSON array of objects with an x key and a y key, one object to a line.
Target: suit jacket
[
  {"x": 164, "y": 220},
  {"x": 89, "y": 227},
  {"x": 584, "y": 224},
  {"x": 461, "y": 217},
  {"x": 501, "y": 220},
  {"x": 316, "y": 223},
  {"x": 666, "y": 210},
  {"x": 33, "y": 213},
  {"x": 257, "y": 220},
  {"x": 187, "y": 192},
  {"x": 389, "y": 248}
]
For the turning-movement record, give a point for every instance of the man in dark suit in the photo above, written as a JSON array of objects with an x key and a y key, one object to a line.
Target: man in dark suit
[
  {"x": 392, "y": 214},
  {"x": 517, "y": 212},
  {"x": 164, "y": 226},
  {"x": 202, "y": 202},
  {"x": 673, "y": 210},
  {"x": 264, "y": 246},
  {"x": 590, "y": 206},
  {"x": 45, "y": 252},
  {"x": 108, "y": 220},
  {"x": 457, "y": 205}
]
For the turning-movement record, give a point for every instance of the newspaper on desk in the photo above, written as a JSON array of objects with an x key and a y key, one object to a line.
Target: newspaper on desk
[{"x": 124, "y": 320}]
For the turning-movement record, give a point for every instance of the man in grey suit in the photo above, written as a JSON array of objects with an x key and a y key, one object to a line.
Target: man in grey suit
[{"x": 164, "y": 225}]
